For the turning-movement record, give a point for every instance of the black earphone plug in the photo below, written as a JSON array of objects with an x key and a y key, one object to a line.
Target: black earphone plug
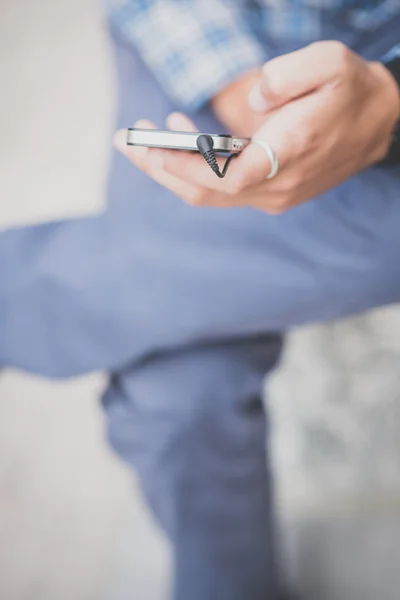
[{"x": 205, "y": 145}]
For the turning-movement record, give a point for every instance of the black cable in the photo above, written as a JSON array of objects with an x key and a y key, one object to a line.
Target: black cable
[{"x": 205, "y": 145}]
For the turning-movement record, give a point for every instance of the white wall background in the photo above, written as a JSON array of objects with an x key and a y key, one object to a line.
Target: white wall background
[{"x": 72, "y": 526}]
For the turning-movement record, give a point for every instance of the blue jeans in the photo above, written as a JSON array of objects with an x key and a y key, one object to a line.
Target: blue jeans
[{"x": 185, "y": 308}]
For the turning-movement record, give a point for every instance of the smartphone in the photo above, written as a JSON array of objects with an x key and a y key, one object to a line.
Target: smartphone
[{"x": 183, "y": 140}]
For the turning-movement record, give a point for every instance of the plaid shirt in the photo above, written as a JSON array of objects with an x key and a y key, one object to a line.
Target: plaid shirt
[{"x": 197, "y": 47}]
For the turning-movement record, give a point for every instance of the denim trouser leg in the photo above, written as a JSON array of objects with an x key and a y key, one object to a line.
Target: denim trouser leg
[
  {"x": 152, "y": 274},
  {"x": 192, "y": 424}
]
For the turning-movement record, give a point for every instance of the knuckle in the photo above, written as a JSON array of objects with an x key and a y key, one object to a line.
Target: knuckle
[
  {"x": 339, "y": 48},
  {"x": 341, "y": 55},
  {"x": 336, "y": 54},
  {"x": 316, "y": 48}
]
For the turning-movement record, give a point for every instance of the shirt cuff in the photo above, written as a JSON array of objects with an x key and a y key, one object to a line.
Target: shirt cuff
[{"x": 194, "y": 78}]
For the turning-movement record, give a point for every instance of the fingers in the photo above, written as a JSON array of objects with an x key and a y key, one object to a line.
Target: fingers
[
  {"x": 185, "y": 165},
  {"x": 179, "y": 122},
  {"x": 135, "y": 154},
  {"x": 293, "y": 75},
  {"x": 151, "y": 163},
  {"x": 250, "y": 168},
  {"x": 189, "y": 176}
]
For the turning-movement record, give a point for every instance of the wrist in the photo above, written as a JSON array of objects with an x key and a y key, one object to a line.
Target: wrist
[
  {"x": 389, "y": 107},
  {"x": 390, "y": 91},
  {"x": 391, "y": 64}
]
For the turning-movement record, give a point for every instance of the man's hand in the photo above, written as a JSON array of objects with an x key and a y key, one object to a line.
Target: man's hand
[
  {"x": 231, "y": 106},
  {"x": 329, "y": 114}
]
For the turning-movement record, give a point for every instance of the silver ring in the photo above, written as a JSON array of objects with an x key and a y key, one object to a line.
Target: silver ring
[{"x": 272, "y": 157}]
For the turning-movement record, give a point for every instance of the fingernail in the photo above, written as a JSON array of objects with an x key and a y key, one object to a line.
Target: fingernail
[
  {"x": 180, "y": 122},
  {"x": 173, "y": 119},
  {"x": 257, "y": 101},
  {"x": 143, "y": 124},
  {"x": 120, "y": 141}
]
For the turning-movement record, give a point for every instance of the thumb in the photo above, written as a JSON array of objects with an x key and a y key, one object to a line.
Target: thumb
[{"x": 290, "y": 76}]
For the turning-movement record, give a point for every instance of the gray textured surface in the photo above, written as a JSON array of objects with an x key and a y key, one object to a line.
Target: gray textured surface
[
  {"x": 54, "y": 114},
  {"x": 335, "y": 404},
  {"x": 336, "y": 410},
  {"x": 72, "y": 523},
  {"x": 346, "y": 557}
]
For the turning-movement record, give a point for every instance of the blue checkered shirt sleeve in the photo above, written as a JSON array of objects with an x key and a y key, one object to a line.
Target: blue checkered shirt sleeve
[{"x": 194, "y": 48}]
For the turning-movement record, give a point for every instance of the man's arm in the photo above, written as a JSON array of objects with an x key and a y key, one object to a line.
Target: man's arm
[
  {"x": 196, "y": 49},
  {"x": 392, "y": 62},
  {"x": 331, "y": 114}
]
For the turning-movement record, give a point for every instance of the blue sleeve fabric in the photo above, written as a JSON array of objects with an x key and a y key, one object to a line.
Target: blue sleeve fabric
[{"x": 195, "y": 48}]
